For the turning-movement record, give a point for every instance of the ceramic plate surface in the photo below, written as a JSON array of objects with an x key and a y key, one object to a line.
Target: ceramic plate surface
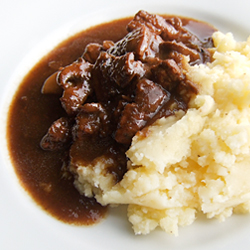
[{"x": 29, "y": 29}]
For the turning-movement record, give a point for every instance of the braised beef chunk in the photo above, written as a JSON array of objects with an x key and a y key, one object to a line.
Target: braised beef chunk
[
  {"x": 142, "y": 42},
  {"x": 148, "y": 100},
  {"x": 117, "y": 161},
  {"x": 155, "y": 24},
  {"x": 74, "y": 96},
  {"x": 74, "y": 74},
  {"x": 107, "y": 44},
  {"x": 92, "y": 119},
  {"x": 58, "y": 135},
  {"x": 74, "y": 79},
  {"x": 116, "y": 69},
  {"x": 166, "y": 48},
  {"x": 174, "y": 33},
  {"x": 91, "y": 52},
  {"x": 167, "y": 73},
  {"x": 118, "y": 88}
]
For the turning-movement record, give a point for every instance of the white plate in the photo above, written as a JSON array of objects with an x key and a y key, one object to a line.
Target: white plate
[{"x": 28, "y": 29}]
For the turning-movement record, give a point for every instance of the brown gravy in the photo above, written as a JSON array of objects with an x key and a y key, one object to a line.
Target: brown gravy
[{"x": 30, "y": 115}]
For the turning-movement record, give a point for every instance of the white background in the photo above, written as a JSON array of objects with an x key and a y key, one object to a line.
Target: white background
[{"x": 28, "y": 27}]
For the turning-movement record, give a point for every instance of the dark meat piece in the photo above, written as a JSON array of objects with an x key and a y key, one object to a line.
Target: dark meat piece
[
  {"x": 155, "y": 24},
  {"x": 185, "y": 90},
  {"x": 74, "y": 79},
  {"x": 187, "y": 37},
  {"x": 93, "y": 50},
  {"x": 166, "y": 49},
  {"x": 123, "y": 69},
  {"x": 58, "y": 135},
  {"x": 117, "y": 161},
  {"x": 192, "y": 41},
  {"x": 107, "y": 44},
  {"x": 74, "y": 97},
  {"x": 167, "y": 73},
  {"x": 142, "y": 42},
  {"x": 112, "y": 73},
  {"x": 74, "y": 73},
  {"x": 91, "y": 120},
  {"x": 149, "y": 99},
  {"x": 171, "y": 30}
]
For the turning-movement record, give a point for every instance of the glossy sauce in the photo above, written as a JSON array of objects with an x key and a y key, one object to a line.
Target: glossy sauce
[{"x": 42, "y": 173}]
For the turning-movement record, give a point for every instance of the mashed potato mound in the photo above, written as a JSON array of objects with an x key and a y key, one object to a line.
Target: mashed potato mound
[{"x": 198, "y": 161}]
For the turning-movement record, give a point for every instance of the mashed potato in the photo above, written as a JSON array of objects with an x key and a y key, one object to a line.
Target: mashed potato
[{"x": 198, "y": 161}]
